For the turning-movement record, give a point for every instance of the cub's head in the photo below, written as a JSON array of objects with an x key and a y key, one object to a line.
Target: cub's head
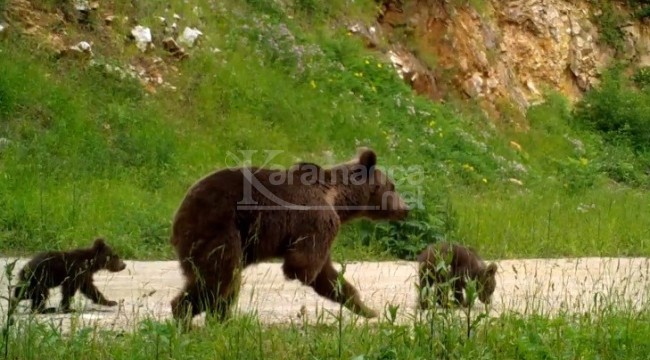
[
  {"x": 487, "y": 283},
  {"x": 378, "y": 197},
  {"x": 105, "y": 258}
]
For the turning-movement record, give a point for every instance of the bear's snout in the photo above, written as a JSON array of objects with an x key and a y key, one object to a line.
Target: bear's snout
[
  {"x": 401, "y": 209},
  {"x": 118, "y": 267}
]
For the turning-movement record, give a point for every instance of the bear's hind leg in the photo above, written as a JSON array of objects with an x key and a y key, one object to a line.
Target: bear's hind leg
[
  {"x": 212, "y": 279},
  {"x": 186, "y": 305}
]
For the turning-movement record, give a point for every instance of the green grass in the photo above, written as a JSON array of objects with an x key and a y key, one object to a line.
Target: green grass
[
  {"x": 91, "y": 154},
  {"x": 619, "y": 335}
]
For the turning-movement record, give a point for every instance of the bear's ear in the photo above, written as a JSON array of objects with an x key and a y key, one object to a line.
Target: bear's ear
[
  {"x": 99, "y": 244},
  {"x": 367, "y": 158},
  {"x": 491, "y": 269}
]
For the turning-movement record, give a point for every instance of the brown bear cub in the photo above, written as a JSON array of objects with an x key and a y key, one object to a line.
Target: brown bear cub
[
  {"x": 72, "y": 270},
  {"x": 444, "y": 264},
  {"x": 236, "y": 217}
]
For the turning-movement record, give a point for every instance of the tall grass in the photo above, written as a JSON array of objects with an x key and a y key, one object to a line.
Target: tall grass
[{"x": 609, "y": 335}]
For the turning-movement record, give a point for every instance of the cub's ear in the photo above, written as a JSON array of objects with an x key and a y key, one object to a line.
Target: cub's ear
[
  {"x": 99, "y": 244},
  {"x": 367, "y": 158},
  {"x": 491, "y": 269}
]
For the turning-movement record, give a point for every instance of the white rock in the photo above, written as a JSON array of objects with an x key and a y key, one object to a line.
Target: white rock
[
  {"x": 189, "y": 36},
  {"x": 531, "y": 86},
  {"x": 516, "y": 181},
  {"x": 474, "y": 85},
  {"x": 355, "y": 28},
  {"x": 81, "y": 5},
  {"x": 492, "y": 83},
  {"x": 83, "y": 47},
  {"x": 142, "y": 37},
  {"x": 2, "y": 27},
  {"x": 177, "y": 17}
]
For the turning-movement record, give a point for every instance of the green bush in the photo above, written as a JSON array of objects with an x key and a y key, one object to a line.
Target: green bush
[
  {"x": 619, "y": 112},
  {"x": 609, "y": 22},
  {"x": 641, "y": 77},
  {"x": 405, "y": 239}
]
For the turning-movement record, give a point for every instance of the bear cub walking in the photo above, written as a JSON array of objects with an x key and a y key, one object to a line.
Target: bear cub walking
[
  {"x": 462, "y": 264},
  {"x": 72, "y": 270}
]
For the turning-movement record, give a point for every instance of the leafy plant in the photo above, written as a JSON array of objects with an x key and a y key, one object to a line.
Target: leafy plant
[{"x": 405, "y": 239}]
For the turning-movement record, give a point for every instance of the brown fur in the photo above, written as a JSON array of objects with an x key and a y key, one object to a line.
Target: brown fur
[
  {"x": 462, "y": 264},
  {"x": 72, "y": 270},
  {"x": 215, "y": 240}
]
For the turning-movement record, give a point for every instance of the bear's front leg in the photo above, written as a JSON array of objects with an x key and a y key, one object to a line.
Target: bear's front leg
[
  {"x": 90, "y": 290},
  {"x": 325, "y": 285}
]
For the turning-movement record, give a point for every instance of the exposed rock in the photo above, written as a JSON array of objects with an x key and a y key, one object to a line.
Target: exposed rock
[
  {"x": 516, "y": 181},
  {"x": 474, "y": 86},
  {"x": 370, "y": 34},
  {"x": 82, "y": 5},
  {"x": 512, "y": 48},
  {"x": 142, "y": 37},
  {"x": 84, "y": 8},
  {"x": 82, "y": 49},
  {"x": 109, "y": 20},
  {"x": 414, "y": 73},
  {"x": 172, "y": 47},
  {"x": 515, "y": 145},
  {"x": 189, "y": 36}
]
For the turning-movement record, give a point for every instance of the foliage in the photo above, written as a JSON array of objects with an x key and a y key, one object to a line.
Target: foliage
[
  {"x": 609, "y": 22},
  {"x": 619, "y": 112},
  {"x": 406, "y": 239}
]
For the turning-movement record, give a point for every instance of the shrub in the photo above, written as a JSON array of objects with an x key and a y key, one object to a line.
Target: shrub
[
  {"x": 619, "y": 112},
  {"x": 405, "y": 239}
]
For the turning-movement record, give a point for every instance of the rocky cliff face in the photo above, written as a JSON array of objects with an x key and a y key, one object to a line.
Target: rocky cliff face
[{"x": 503, "y": 51}]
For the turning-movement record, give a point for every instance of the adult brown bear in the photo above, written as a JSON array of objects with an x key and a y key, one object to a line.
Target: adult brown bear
[{"x": 236, "y": 217}]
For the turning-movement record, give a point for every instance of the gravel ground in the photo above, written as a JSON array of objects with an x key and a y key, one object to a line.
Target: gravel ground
[{"x": 546, "y": 286}]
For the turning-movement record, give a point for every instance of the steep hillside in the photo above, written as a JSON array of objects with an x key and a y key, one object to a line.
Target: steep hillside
[{"x": 110, "y": 110}]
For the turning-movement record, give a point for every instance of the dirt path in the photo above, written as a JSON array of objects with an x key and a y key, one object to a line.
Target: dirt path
[{"x": 524, "y": 286}]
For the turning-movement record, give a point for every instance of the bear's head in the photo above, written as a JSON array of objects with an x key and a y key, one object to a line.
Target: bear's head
[
  {"x": 487, "y": 283},
  {"x": 375, "y": 192},
  {"x": 106, "y": 258}
]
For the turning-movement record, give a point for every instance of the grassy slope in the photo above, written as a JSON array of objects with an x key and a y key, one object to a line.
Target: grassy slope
[{"x": 92, "y": 154}]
